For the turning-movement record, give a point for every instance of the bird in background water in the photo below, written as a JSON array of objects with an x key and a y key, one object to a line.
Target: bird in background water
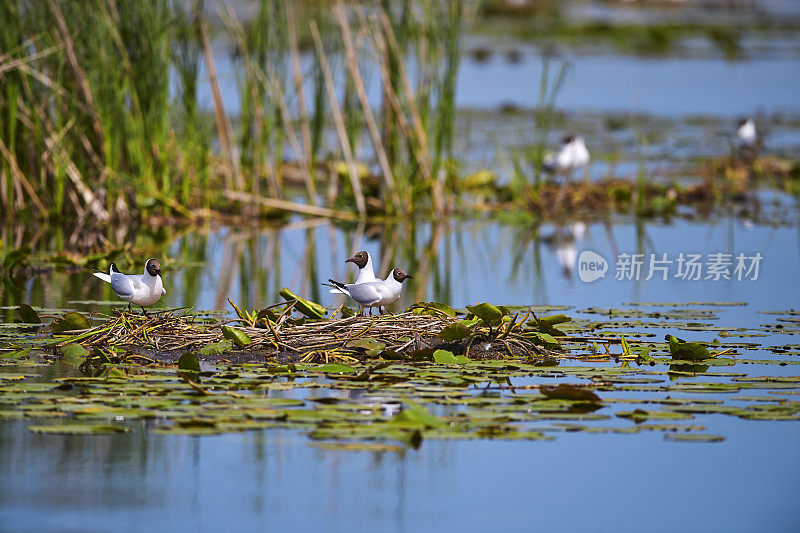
[
  {"x": 572, "y": 155},
  {"x": 144, "y": 290}
]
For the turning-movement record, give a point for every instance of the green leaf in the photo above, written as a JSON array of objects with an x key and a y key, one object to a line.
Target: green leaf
[
  {"x": 74, "y": 351},
  {"x": 189, "y": 362},
  {"x": 444, "y": 357},
  {"x": 414, "y": 415},
  {"x": 487, "y": 312},
  {"x": 28, "y": 315},
  {"x": 307, "y": 307},
  {"x": 71, "y": 321},
  {"x": 239, "y": 337},
  {"x": 626, "y": 350},
  {"x": 565, "y": 391},
  {"x": 79, "y": 429},
  {"x": 595, "y": 347},
  {"x": 216, "y": 348},
  {"x": 555, "y": 319},
  {"x": 17, "y": 354},
  {"x": 688, "y": 351},
  {"x": 454, "y": 332},
  {"x": 542, "y": 339},
  {"x": 433, "y": 309},
  {"x": 365, "y": 343},
  {"x": 335, "y": 368}
]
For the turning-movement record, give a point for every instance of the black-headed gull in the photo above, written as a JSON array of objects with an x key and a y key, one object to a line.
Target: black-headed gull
[
  {"x": 142, "y": 290},
  {"x": 366, "y": 273},
  {"x": 572, "y": 155},
  {"x": 375, "y": 293},
  {"x": 746, "y": 134}
]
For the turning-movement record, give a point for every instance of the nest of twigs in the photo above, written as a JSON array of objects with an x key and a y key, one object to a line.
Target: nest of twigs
[{"x": 400, "y": 336}]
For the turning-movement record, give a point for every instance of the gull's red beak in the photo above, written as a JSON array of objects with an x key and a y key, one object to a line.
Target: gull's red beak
[{"x": 351, "y": 260}]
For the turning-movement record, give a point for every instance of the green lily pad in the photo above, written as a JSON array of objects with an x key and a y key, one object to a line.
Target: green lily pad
[
  {"x": 71, "y": 321},
  {"x": 74, "y": 351},
  {"x": 454, "y": 332},
  {"x": 189, "y": 362},
  {"x": 80, "y": 429},
  {"x": 28, "y": 315},
  {"x": 335, "y": 368},
  {"x": 487, "y": 312},
  {"x": 688, "y": 351},
  {"x": 216, "y": 348},
  {"x": 237, "y": 336}
]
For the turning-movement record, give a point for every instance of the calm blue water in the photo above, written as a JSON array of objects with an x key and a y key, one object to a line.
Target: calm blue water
[{"x": 275, "y": 480}]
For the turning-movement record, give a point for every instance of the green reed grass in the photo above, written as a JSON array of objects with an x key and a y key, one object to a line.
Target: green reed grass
[{"x": 100, "y": 114}]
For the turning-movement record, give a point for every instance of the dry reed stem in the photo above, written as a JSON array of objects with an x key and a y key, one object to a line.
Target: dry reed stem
[
  {"x": 299, "y": 87},
  {"x": 285, "y": 205},
  {"x": 341, "y": 131},
  {"x": 372, "y": 126},
  {"x": 224, "y": 129}
]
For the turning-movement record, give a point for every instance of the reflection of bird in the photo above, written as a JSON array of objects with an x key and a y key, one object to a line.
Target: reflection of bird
[
  {"x": 563, "y": 241},
  {"x": 572, "y": 155},
  {"x": 375, "y": 293},
  {"x": 142, "y": 290}
]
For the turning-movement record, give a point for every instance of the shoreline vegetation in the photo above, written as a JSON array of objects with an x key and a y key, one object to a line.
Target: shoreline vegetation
[{"x": 104, "y": 126}]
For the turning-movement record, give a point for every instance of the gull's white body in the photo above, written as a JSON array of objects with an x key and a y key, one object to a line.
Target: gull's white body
[
  {"x": 746, "y": 135},
  {"x": 365, "y": 275},
  {"x": 572, "y": 155},
  {"x": 378, "y": 293},
  {"x": 141, "y": 290}
]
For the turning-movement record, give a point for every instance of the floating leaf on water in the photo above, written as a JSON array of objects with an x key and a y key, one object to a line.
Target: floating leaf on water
[
  {"x": 71, "y": 321},
  {"x": 80, "y": 429},
  {"x": 444, "y": 357},
  {"x": 216, "y": 348},
  {"x": 74, "y": 351},
  {"x": 555, "y": 319},
  {"x": 487, "y": 312},
  {"x": 358, "y": 446},
  {"x": 693, "y": 437},
  {"x": 565, "y": 391},
  {"x": 335, "y": 368},
  {"x": 189, "y": 362},
  {"x": 239, "y": 337},
  {"x": 18, "y": 354},
  {"x": 414, "y": 415},
  {"x": 28, "y": 315},
  {"x": 454, "y": 332},
  {"x": 542, "y": 339},
  {"x": 687, "y": 351}
]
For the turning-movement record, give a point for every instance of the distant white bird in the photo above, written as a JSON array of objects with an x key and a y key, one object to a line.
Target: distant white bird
[
  {"x": 375, "y": 293},
  {"x": 142, "y": 290},
  {"x": 366, "y": 274},
  {"x": 746, "y": 134},
  {"x": 572, "y": 155}
]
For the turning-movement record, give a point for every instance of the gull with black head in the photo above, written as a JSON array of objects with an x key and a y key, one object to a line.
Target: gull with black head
[
  {"x": 142, "y": 290},
  {"x": 375, "y": 293},
  {"x": 572, "y": 155}
]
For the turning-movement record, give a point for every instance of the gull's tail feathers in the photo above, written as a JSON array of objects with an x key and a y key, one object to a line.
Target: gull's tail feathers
[{"x": 102, "y": 275}]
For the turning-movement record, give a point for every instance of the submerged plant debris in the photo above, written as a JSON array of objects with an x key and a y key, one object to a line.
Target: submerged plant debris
[{"x": 385, "y": 383}]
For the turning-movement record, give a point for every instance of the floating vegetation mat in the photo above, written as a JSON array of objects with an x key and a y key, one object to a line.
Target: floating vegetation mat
[{"x": 388, "y": 383}]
